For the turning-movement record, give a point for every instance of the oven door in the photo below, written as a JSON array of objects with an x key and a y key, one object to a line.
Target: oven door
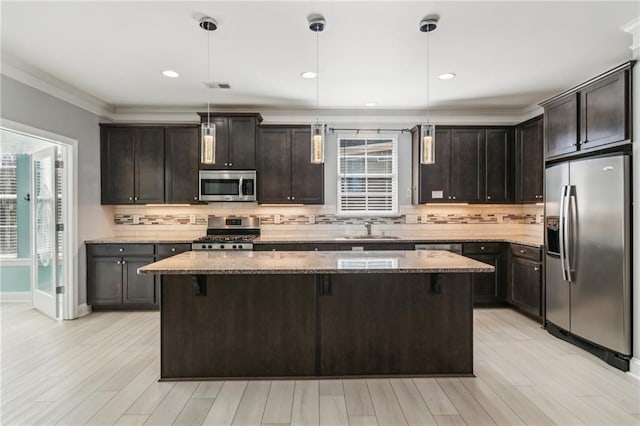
[{"x": 220, "y": 185}]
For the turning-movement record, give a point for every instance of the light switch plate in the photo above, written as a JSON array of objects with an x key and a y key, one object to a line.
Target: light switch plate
[
  {"x": 276, "y": 218},
  {"x": 192, "y": 219},
  {"x": 411, "y": 218},
  {"x": 423, "y": 218},
  {"x": 136, "y": 219},
  {"x": 312, "y": 218}
]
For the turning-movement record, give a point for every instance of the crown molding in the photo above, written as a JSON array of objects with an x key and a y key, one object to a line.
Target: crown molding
[
  {"x": 18, "y": 70},
  {"x": 633, "y": 27}
]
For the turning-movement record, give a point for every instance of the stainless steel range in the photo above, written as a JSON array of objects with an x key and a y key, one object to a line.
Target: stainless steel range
[{"x": 229, "y": 233}]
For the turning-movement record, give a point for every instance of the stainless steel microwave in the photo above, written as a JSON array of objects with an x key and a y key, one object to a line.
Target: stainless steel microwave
[{"x": 227, "y": 185}]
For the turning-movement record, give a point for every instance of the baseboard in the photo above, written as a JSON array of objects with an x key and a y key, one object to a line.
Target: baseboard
[
  {"x": 15, "y": 296},
  {"x": 634, "y": 368},
  {"x": 83, "y": 310}
]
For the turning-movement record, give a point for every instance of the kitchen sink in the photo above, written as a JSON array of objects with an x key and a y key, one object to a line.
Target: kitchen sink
[{"x": 370, "y": 237}]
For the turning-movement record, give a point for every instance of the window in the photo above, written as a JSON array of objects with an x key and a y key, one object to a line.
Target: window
[
  {"x": 8, "y": 207},
  {"x": 367, "y": 175}
]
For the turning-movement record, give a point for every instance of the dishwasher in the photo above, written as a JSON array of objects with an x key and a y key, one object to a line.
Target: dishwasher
[{"x": 454, "y": 248}]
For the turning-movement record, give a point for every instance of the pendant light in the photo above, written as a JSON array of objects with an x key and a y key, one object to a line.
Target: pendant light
[
  {"x": 208, "y": 129},
  {"x": 428, "y": 130},
  {"x": 316, "y": 24}
]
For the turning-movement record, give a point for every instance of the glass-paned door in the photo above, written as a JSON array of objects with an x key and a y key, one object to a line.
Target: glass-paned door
[{"x": 45, "y": 258}]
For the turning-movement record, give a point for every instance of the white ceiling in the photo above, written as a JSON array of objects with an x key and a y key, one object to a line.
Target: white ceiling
[{"x": 507, "y": 55}]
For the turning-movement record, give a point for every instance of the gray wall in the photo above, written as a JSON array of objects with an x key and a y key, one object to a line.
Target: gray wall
[{"x": 26, "y": 105}]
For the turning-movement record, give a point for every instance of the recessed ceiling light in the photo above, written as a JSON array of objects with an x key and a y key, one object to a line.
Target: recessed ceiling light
[
  {"x": 308, "y": 74},
  {"x": 371, "y": 104},
  {"x": 446, "y": 76},
  {"x": 170, "y": 73}
]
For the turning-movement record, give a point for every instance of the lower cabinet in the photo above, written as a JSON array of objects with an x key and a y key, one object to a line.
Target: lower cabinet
[
  {"x": 113, "y": 281},
  {"x": 488, "y": 289},
  {"x": 525, "y": 281}
]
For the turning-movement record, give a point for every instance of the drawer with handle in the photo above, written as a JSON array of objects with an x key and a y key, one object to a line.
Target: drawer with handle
[
  {"x": 168, "y": 250},
  {"x": 526, "y": 252},
  {"x": 120, "y": 249},
  {"x": 480, "y": 248}
]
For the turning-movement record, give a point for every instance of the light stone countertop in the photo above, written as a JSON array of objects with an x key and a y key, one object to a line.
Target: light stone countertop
[
  {"x": 314, "y": 262},
  {"x": 524, "y": 239}
]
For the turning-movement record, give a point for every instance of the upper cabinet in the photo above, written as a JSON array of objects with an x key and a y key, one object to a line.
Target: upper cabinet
[
  {"x": 472, "y": 165},
  {"x": 529, "y": 162},
  {"x": 235, "y": 140},
  {"x": 132, "y": 165},
  {"x": 594, "y": 115},
  {"x": 285, "y": 172},
  {"x": 149, "y": 164}
]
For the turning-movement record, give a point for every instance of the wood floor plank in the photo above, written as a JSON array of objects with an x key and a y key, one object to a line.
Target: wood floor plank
[
  {"x": 437, "y": 401},
  {"x": 497, "y": 409},
  {"x": 194, "y": 412},
  {"x": 465, "y": 404},
  {"x": 279, "y": 402},
  {"x": 385, "y": 403},
  {"x": 357, "y": 397},
  {"x": 331, "y": 387},
  {"x": 305, "y": 410},
  {"x": 610, "y": 410},
  {"x": 123, "y": 377},
  {"x": 131, "y": 420},
  {"x": 553, "y": 409},
  {"x": 208, "y": 389},
  {"x": 333, "y": 410},
  {"x": 88, "y": 408},
  {"x": 251, "y": 407},
  {"x": 150, "y": 398},
  {"x": 413, "y": 406},
  {"x": 510, "y": 394},
  {"x": 172, "y": 404},
  {"x": 224, "y": 407},
  {"x": 450, "y": 420},
  {"x": 363, "y": 420}
]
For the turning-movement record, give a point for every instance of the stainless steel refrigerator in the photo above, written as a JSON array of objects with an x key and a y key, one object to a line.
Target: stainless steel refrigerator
[{"x": 588, "y": 255}]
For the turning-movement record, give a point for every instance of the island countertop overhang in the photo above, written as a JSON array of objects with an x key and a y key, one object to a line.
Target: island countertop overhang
[{"x": 312, "y": 262}]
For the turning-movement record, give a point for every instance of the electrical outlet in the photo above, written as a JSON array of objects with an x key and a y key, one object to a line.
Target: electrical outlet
[
  {"x": 192, "y": 219},
  {"x": 276, "y": 218},
  {"x": 411, "y": 218},
  {"x": 312, "y": 218},
  {"x": 136, "y": 219},
  {"x": 423, "y": 218}
]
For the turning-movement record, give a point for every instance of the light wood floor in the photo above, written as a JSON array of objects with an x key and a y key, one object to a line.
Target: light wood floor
[{"x": 103, "y": 369}]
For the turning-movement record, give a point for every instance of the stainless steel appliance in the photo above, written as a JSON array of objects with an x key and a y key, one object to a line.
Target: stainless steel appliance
[
  {"x": 229, "y": 233},
  {"x": 227, "y": 185},
  {"x": 588, "y": 255}
]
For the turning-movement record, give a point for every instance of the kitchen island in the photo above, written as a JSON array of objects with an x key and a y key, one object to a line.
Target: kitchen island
[{"x": 307, "y": 314}]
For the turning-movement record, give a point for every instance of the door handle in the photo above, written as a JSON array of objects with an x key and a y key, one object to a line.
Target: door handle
[
  {"x": 571, "y": 211},
  {"x": 563, "y": 220}
]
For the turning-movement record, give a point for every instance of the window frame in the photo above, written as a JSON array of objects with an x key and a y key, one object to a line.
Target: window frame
[
  {"x": 395, "y": 208},
  {"x": 10, "y": 198}
]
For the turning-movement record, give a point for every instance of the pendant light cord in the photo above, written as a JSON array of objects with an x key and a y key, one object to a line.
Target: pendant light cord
[
  {"x": 317, "y": 77},
  {"x": 428, "y": 63},
  {"x": 209, "y": 77}
]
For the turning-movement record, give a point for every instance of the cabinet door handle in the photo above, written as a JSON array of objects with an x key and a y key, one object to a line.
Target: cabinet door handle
[
  {"x": 118, "y": 262},
  {"x": 226, "y": 164},
  {"x": 130, "y": 198},
  {"x": 121, "y": 250},
  {"x": 288, "y": 198},
  {"x": 195, "y": 198},
  {"x": 449, "y": 197},
  {"x": 535, "y": 268},
  {"x": 173, "y": 249},
  {"x": 123, "y": 262},
  {"x": 523, "y": 251},
  {"x": 230, "y": 164},
  {"x": 488, "y": 197},
  {"x": 454, "y": 197},
  {"x": 481, "y": 247},
  {"x": 293, "y": 198}
]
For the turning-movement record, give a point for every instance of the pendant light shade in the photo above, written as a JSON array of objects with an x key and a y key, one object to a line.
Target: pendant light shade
[
  {"x": 316, "y": 24},
  {"x": 427, "y": 144},
  {"x": 317, "y": 143},
  {"x": 208, "y": 129},
  {"x": 428, "y": 131},
  {"x": 208, "y": 143}
]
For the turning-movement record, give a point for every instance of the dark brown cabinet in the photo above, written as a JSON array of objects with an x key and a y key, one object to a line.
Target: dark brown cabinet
[
  {"x": 472, "y": 165},
  {"x": 182, "y": 159},
  {"x": 235, "y": 140},
  {"x": 488, "y": 288},
  {"x": 380, "y": 324},
  {"x": 285, "y": 172},
  {"x": 525, "y": 282},
  {"x": 593, "y": 115},
  {"x": 132, "y": 165},
  {"x": 112, "y": 278},
  {"x": 529, "y": 161}
]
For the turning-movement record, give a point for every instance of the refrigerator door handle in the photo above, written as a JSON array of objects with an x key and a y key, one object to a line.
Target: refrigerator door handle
[
  {"x": 562, "y": 236},
  {"x": 571, "y": 221}
]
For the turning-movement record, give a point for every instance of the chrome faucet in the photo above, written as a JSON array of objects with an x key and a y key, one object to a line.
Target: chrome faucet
[{"x": 368, "y": 226}]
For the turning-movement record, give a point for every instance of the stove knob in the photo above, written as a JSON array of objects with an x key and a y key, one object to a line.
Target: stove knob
[
  {"x": 204, "y": 246},
  {"x": 239, "y": 246},
  {"x": 222, "y": 246},
  {"x": 234, "y": 246},
  {"x": 210, "y": 246}
]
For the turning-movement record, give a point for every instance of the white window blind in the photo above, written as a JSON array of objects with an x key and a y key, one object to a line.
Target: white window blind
[
  {"x": 367, "y": 175},
  {"x": 8, "y": 207}
]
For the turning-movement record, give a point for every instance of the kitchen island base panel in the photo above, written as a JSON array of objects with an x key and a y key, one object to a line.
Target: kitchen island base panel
[{"x": 323, "y": 325}]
